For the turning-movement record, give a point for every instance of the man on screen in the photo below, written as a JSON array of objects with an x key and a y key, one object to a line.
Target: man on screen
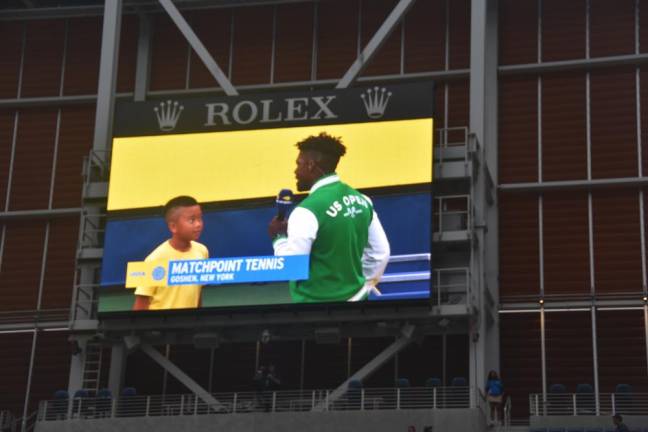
[
  {"x": 336, "y": 225},
  {"x": 183, "y": 216}
]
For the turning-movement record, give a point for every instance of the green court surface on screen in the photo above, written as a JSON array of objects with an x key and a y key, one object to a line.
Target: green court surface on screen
[{"x": 120, "y": 300}]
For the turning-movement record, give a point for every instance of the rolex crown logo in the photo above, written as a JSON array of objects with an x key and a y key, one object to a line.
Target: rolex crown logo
[
  {"x": 375, "y": 101},
  {"x": 168, "y": 114}
]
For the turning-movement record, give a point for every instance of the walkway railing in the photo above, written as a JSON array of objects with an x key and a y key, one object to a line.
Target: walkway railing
[
  {"x": 249, "y": 402},
  {"x": 578, "y": 404}
]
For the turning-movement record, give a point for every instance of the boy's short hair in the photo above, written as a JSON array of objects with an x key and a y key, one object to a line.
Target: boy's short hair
[
  {"x": 618, "y": 417},
  {"x": 327, "y": 149},
  {"x": 179, "y": 201}
]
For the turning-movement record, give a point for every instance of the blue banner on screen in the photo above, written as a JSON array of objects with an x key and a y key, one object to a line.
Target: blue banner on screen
[{"x": 238, "y": 270}]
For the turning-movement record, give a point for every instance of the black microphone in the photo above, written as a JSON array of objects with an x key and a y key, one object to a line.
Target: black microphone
[{"x": 284, "y": 201}]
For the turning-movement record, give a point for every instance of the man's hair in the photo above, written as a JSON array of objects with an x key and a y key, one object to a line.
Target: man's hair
[
  {"x": 618, "y": 417},
  {"x": 326, "y": 150},
  {"x": 179, "y": 201}
]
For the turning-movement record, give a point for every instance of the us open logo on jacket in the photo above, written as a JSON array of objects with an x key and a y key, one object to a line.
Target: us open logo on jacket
[
  {"x": 375, "y": 101},
  {"x": 168, "y": 114}
]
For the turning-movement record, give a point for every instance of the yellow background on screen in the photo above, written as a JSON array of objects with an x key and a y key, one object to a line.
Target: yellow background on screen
[{"x": 222, "y": 166}]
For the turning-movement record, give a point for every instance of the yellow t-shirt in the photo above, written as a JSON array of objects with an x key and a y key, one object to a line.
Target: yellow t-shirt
[{"x": 177, "y": 296}]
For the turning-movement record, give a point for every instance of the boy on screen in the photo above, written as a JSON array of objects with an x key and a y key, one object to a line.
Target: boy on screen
[{"x": 183, "y": 216}]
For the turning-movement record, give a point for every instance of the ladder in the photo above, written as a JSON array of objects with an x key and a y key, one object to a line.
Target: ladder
[{"x": 92, "y": 367}]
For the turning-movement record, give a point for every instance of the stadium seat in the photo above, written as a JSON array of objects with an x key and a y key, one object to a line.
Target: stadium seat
[
  {"x": 459, "y": 382},
  {"x": 556, "y": 429},
  {"x": 433, "y": 382},
  {"x": 538, "y": 430},
  {"x": 458, "y": 397},
  {"x": 585, "y": 400},
  {"x": 104, "y": 402},
  {"x": 557, "y": 403},
  {"x": 430, "y": 385},
  {"x": 83, "y": 405},
  {"x": 571, "y": 429},
  {"x": 129, "y": 391},
  {"x": 353, "y": 394},
  {"x": 402, "y": 382},
  {"x": 58, "y": 407},
  {"x": 623, "y": 399},
  {"x": 127, "y": 404}
]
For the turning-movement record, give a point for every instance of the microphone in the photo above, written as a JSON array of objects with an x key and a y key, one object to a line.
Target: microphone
[{"x": 284, "y": 202}]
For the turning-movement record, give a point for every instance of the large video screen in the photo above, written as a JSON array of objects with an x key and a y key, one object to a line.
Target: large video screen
[{"x": 234, "y": 155}]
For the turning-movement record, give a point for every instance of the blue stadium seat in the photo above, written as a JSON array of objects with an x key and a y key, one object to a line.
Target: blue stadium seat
[
  {"x": 433, "y": 382},
  {"x": 585, "y": 400},
  {"x": 459, "y": 382},
  {"x": 127, "y": 404},
  {"x": 623, "y": 399},
  {"x": 57, "y": 409},
  {"x": 556, "y": 400},
  {"x": 104, "y": 402},
  {"x": 82, "y": 405},
  {"x": 129, "y": 391},
  {"x": 402, "y": 382},
  {"x": 353, "y": 394},
  {"x": 538, "y": 430}
]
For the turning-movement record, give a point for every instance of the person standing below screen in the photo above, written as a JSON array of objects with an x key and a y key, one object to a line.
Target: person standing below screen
[
  {"x": 336, "y": 225},
  {"x": 619, "y": 426},
  {"x": 494, "y": 395},
  {"x": 183, "y": 216}
]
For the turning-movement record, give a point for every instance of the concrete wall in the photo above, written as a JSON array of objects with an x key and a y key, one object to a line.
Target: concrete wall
[
  {"x": 465, "y": 420},
  {"x": 632, "y": 421}
]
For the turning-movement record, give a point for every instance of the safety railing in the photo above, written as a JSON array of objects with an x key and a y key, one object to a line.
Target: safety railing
[
  {"x": 452, "y": 138},
  {"x": 506, "y": 413},
  {"x": 7, "y": 421},
  {"x": 249, "y": 402},
  {"x": 96, "y": 166},
  {"x": 579, "y": 404},
  {"x": 92, "y": 229},
  {"x": 452, "y": 213},
  {"x": 33, "y": 316}
]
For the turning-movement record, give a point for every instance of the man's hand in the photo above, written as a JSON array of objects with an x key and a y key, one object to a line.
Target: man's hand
[{"x": 277, "y": 227}]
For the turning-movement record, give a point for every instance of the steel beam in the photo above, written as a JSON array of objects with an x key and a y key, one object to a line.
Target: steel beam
[
  {"x": 36, "y": 214},
  {"x": 198, "y": 47},
  {"x": 91, "y": 98},
  {"x": 107, "y": 75},
  {"x": 136, "y": 7},
  {"x": 484, "y": 335},
  {"x": 142, "y": 69},
  {"x": 590, "y": 63},
  {"x": 574, "y": 184},
  {"x": 364, "y": 372},
  {"x": 375, "y": 43},
  {"x": 181, "y": 376}
]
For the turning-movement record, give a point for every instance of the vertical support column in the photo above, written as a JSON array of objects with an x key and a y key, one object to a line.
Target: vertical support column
[
  {"x": 597, "y": 396},
  {"x": 484, "y": 336},
  {"x": 107, "y": 74},
  {"x": 646, "y": 329},
  {"x": 75, "y": 380},
  {"x": 543, "y": 358},
  {"x": 118, "y": 355},
  {"x": 142, "y": 68}
]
